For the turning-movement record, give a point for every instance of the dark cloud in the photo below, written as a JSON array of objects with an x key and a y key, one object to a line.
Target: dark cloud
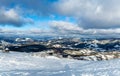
[
  {"x": 68, "y": 28},
  {"x": 91, "y": 16},
  {"x": 92, "y": 13},
  {"x": 22, "y": 8},
  {"x": 12, "y": 17},
  {"x": 88, "y": 23},
  {"x": 89, "y": 13}
]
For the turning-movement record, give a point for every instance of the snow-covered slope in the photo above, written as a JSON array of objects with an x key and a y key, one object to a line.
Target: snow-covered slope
[{"x": 23, "y": 64}]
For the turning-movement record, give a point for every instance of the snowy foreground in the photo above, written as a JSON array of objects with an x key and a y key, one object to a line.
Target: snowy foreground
[{"x": 23, "y": 64}]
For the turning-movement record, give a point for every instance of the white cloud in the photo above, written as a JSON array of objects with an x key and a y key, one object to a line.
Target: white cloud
[
  {"x": 11, "y": 14},
  {"x": 64, "y": 27},
  {"x": 92, "y": 13},
  {"x": 92, "y": 16},
  {"x": 12, "y": 17}
]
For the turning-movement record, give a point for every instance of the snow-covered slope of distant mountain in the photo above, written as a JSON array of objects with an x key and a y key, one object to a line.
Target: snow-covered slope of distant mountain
[{"x": 23, "y": 64}]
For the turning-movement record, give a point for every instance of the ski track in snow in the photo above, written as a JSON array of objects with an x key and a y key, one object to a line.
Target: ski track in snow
[{"x": 23, "y": 64}]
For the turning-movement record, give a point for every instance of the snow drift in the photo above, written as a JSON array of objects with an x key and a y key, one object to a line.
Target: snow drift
[{"x": 23, "y": 64}]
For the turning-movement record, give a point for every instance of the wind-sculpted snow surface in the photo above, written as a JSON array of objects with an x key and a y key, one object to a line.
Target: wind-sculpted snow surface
[{"x": 23, "y": 64}]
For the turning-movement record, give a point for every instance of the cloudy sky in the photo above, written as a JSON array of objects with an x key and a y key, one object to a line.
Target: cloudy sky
[{"x": 60, "y": 17}]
